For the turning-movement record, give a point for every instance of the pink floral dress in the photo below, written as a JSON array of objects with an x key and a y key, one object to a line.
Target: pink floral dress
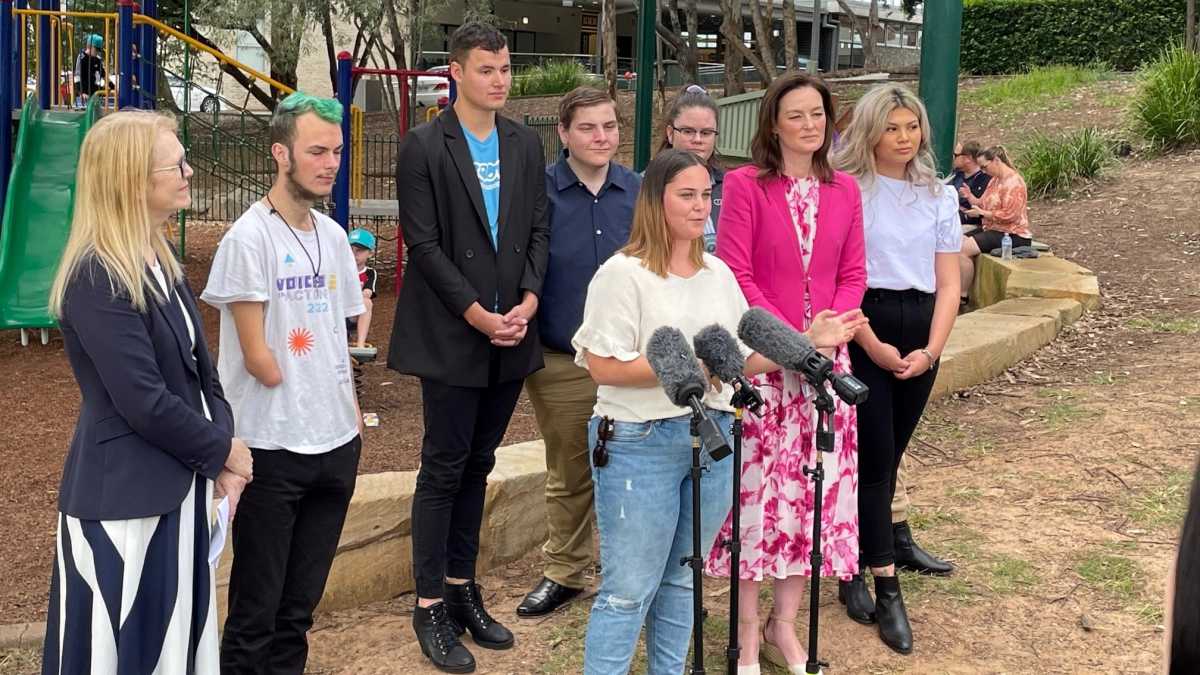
[{"x": 776, "y": 496}]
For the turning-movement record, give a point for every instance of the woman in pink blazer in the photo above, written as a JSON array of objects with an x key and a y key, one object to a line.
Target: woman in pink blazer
[{"x": 791, "y": 230}]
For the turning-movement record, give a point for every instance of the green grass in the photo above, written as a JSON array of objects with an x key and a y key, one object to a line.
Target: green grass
[
  {"x": 1102, "y": 377},
  {"x": 1037, "y": 85},
  {"x": 552, "y": 77},
  {"x": 1166, "y": 108},
  {"x": 1162, "y": 506},
  {"x": 1059, "y": 394},
  {"x": 1114, "y": 575},
  {"x": 1178, "y": 325},
  {"x": 1064, "y": 412},
  {"x": 1150, "y": 613},
  {"x": 1011, "y": 575},
  {"x": 1051, "y": 165}
]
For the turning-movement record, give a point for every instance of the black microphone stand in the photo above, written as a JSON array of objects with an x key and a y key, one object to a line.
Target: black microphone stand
[
  {"x": 824, "y": 405},
  {"x": 694, "y": 560},
  {"x": 743, "y": 396}
]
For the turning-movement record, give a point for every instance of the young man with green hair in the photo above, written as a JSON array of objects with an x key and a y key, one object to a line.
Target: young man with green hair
[{"x": 285, "y": 281}]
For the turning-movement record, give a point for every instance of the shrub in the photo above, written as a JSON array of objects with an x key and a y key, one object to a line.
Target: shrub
[
  {"x": 1051, "y": 165},
  {"x": 1166, "y": 110},
  {"x": 1012, "y": 36},
  {"x": 552, "y": 77}
]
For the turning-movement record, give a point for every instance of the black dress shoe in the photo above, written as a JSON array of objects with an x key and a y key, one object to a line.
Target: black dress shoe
[
  {"x": 911, "y": 557},
  {"x": 439, "y": 643},
  {"x": 547, "y": 597},
  {"x": 464, "y": 604},
  {"x": 857, "y": 599},
  {"x": 894, "y": 628}
]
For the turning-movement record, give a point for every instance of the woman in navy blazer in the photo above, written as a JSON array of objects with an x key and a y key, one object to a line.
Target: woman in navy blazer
[{"x": 132, "y": 589}]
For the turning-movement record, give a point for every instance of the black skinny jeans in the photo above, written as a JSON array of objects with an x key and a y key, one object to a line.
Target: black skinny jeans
[
  {"x": 887, "y": 419},
  {"x": 463, "y": 428}
]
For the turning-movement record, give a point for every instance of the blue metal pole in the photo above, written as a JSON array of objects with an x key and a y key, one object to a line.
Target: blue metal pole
[
  {"x": 18, "y": 77},
  {"x": 7, "y": 54},
  {"x": 124, "y": 53},
  {"x": 341, "y": 188},
  {"x": 46, "y": 79},
  {"x": 149, "y": 57}
]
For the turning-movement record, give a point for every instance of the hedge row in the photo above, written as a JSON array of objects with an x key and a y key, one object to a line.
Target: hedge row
[{"x": 1008, "y": 36}]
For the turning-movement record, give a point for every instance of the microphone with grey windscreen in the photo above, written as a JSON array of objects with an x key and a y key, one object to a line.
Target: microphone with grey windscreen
[
  {"x": 766, "y": 334},
  {"x": 721, "y": 355},
  {"x": 676, "y": 368}
]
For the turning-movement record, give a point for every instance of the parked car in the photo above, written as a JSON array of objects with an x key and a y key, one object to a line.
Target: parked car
[
  {"x": 431, "y": 89},
  {"x": 198, "y": 97}
]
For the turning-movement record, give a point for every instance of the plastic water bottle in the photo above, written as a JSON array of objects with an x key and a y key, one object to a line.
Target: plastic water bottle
[{"x": 1006, "y": 247}]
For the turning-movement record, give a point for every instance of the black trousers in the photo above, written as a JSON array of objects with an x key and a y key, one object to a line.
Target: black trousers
[
  {"x": 887, "y": 419},
  {"x": 463, "y": 428},
  {"x": 284, "y": 538}
]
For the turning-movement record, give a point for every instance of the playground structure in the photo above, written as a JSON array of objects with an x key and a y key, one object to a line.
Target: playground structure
[{"x": 147, "y": 65}]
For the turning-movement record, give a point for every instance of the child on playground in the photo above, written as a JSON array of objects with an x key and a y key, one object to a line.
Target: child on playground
[{"x": 362, "y": 242}]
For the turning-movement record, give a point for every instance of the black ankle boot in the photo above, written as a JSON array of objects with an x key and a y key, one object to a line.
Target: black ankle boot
[
  {"x": 464, "y": 603},
  {"x": 911, "y": 557},
  {"x": 439, "y": 642},
  {"x": 857, "y": 599},
  {"x": 894, "y": 629}
]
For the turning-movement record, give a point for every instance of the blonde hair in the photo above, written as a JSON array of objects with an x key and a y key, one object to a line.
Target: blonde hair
[
  {"x": 111, "y": 219},
  {"x": 650, "y": 236},
  {"x": 856, "y": 155}
]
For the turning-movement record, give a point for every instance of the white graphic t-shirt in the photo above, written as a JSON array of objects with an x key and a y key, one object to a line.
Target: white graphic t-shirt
[{"x": 309, "y": 284}]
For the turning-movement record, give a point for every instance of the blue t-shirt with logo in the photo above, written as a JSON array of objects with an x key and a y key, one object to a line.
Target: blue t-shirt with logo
[{"x": 486, "y": 156}]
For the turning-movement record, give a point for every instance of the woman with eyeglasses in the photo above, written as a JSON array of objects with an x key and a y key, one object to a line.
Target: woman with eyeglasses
[
  {"x": 792, "y": 233},
  {"x": 692, "y": 126},
  {"x": 132, "y": 590},
  {"x": 642, "y": 442}
]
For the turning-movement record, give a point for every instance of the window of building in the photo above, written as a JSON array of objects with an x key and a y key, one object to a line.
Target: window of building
[
  {"x": 703, "y": 40},
  {"x": 249, "y": 52}
]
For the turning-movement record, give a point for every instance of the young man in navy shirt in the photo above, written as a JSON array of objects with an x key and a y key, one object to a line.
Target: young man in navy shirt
[{"x": 591, "y": 200}]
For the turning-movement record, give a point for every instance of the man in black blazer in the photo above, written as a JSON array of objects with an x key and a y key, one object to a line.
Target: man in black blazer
[{"x": 472, "y": 204}]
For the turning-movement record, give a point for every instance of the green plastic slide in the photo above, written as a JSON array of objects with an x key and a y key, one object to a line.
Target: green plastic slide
[{"x": 37, "y": 213}]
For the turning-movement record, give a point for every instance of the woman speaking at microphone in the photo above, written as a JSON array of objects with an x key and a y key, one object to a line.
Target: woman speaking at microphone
[{"x": 641, "y": 440}]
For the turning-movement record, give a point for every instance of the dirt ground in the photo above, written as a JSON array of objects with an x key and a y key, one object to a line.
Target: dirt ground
[{"x": 1057, "y": 488}]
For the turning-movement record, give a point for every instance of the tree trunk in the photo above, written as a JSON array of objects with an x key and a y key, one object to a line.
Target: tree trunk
[
  {"x": 865, "y": 29},
  {"x": 245, "y": 81},
  {"x": 393, "y": 27},
  {"x": 609, "y": 45},
  {"x": 731, "y": 22},
  {"x": 733, "y": 38},
  {"x": 789, "y": 34},
  {"x": 693, "y": 27},
  {"x": 762, "y": 32},
  {"x": 870, "y": 56},
  {"x": 673, "y": 37},
  {"x": 1189, "y": 38},
  {"x": 330, "y": 51}
]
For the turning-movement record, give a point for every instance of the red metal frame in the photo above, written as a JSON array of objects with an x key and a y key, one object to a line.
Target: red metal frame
[{"x": 402, "y": 128}]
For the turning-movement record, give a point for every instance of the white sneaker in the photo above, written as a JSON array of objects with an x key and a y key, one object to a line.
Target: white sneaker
[{"x": 749, "y": 670}]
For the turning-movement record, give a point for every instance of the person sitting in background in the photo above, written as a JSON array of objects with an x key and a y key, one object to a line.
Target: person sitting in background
[
  {"x": 1003, "y": 208},
  {"x": 968, "y": 178},
  {"x": 362, "y": 242}
]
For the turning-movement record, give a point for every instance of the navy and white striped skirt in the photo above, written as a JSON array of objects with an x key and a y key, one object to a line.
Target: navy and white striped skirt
[{"x": 135, "y": 596}]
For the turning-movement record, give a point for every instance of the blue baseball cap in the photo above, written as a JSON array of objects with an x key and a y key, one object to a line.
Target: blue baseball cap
[{"x": 362, "y": 238}]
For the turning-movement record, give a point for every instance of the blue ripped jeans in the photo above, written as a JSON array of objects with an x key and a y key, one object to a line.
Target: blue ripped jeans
[{"x": 644, "y": 512}]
